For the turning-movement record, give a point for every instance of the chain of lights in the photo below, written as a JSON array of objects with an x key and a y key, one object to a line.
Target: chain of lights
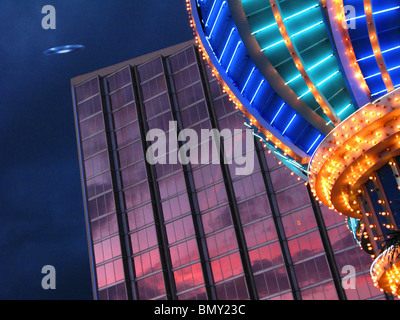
[
  {"x": 321, "y": 100},
  {"x": 385, "y": 271},
  {"x": 348, "y": 56},
  {"x": 346, "y": 158}
]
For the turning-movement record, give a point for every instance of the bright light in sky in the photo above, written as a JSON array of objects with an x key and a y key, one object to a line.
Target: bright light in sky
[{"x": 63, "y": 49}]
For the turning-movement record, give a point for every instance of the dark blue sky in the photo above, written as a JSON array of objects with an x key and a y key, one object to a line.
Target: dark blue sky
[{"x": 41, "y": 211}]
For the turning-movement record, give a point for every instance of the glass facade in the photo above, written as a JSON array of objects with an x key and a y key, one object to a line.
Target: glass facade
[{"x": 197, "y": 231}]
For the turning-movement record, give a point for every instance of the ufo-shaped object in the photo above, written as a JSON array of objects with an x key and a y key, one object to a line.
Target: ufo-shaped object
[{"x": 63, "y": 49}]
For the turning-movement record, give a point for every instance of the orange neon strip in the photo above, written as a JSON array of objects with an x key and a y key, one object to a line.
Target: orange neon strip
[
  {"x": 322, "y": 101},
  {"x": 351, "y": 62}
]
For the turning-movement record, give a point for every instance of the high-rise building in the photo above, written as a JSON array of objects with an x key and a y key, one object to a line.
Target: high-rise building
[{"x": 197, "y": 231}]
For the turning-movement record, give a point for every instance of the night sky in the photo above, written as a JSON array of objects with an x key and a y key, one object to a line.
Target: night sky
[{"x": 41, "y": 210}]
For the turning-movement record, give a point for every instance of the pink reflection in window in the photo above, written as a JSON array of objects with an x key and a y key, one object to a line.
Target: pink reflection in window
[
  {"x": 266, "y": 257},
  {"x": 137, "y": 195},
  {"x": 223, "y": 107},
  {"x": 140, "y": 217},
  {"x": 197, "y": 294},
  {"x": 101, "y": 276},
  {"x": 254, "y": 209},
  {"x": 272, "y": 282},
  {"x": 233, "y": 290},
  {"x": 107, "y": 249},
  {"x": 115, "y": 246},
  {"x": 94, "y": 144},
  {"x": 330, "y": 218},
  {"x": 147, "y": 262},
  {"x": 341, "y": 238},
  {"x": 305, "y": 246},
  {"x": 117, "y": 292},
  {"x": 176, "y": 207},
  {"x": 119, "y": 270},
  {"x": 260, "y": 232},
  {"x": 101, "y": 205},
  {"x": 226, "y": 267},
  {"x": 99, "y": 184},
  {"x": 293, "y": 198},
  {"x": 172, "y": 185},
  {"x": 131, "y": 154},
  {"x": 144, "y": 239},
  {"x": 180, "y": 229},
  {"x": 249, "y": 186},
  {"x": 107, "y": 252},
  {"x": 222, "y": 242},
  {"x": 188, "y": 277},
  {"x": 286, "y": 296},
  {"x": 207, "y": 175},
  {"x": 354, "y": 257},
  {"x": 133, "y": 174},
  {"x": 281, "y": 178},
  {"x": 184, "y": 253},
  {"x": 108, "y": 225},
  {"x": 365, "y": 289},
  {"x": 217, "y": 219},
  {"x": 299, "y": 222},
  {"x": 212, "y": 196},
  {"x": 323, "y": 292},
  {"x": 109, "y": 273},
  {"x": 98, "y": 253},
  {"x": 312, "y": 271},
  {"x": 128, "y": 134},
  {"x": 151, "y": 287}
]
